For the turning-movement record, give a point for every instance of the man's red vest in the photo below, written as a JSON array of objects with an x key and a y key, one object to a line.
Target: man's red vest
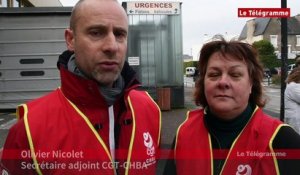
[
  {"x": 63, "y": 141},
  {"x": 251, "y": 152}
]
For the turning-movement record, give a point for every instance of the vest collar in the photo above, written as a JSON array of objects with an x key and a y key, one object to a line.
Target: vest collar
[
  {"x": 80, "y": 90},
  {"x": 84, "y": 91}
]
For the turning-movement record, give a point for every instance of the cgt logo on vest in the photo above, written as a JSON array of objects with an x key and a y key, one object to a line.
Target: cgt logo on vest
[
  {"x": 4, "y": 172},
  {"x": 244, "y": 170},
  {"x": 148, "y": 142}
]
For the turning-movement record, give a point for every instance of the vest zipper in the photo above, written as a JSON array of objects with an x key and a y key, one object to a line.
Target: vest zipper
[{"x": 112, "y": 146}]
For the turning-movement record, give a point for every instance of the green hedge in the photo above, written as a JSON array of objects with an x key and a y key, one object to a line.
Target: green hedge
[{"x": 276, "y": 79}]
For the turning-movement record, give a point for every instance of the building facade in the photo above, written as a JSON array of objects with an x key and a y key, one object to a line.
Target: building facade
[
  {"x": 155, "y": 46},
  {"x": 33, "y": 37},
  {"x": 30, "y": 3},
  {"x": 270, "y": 29}
]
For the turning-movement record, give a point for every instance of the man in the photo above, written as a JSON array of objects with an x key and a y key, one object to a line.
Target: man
[{"x": 96, "y": 122}]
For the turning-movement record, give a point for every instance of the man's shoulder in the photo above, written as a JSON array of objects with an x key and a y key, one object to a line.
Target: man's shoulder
[
  {"x": 142, "y": 98},
  {"x": 47, "y": 98},
  {"x": 44, "y": 104}
]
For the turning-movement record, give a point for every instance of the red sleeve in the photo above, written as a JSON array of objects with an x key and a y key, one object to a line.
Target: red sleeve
[{"x": 14, "y": 160}]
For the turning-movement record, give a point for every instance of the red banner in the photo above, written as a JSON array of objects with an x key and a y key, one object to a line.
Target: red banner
[{"x": 264, "y": 12}]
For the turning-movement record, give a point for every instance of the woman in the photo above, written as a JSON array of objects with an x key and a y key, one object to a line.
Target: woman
[
  {"x": 292, "y": 99},
  {"x": 231, "y": 134}
]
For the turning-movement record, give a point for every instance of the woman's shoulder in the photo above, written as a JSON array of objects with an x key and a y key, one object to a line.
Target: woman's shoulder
[
  {"x": 286, "y": 137},
  {"x": 293, "y": 85},
  {"x": 293, "y": 91}
]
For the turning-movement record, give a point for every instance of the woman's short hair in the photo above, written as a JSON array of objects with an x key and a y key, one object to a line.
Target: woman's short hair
[
  {"x": 294, "y": 76},
  {"x": 241, "y": 51},
  {"x": 297, "y": 62}
]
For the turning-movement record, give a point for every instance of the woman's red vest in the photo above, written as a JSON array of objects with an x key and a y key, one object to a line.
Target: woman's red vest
[
  {"x": 250, "y": 153},
  {"x": 63, "y": 141}
]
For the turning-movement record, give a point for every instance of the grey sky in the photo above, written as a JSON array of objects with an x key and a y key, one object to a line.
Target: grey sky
[{"x": 205, "y": 18}]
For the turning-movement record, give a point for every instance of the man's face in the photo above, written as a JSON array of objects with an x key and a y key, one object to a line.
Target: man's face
[{"x": 99, "y": 40}]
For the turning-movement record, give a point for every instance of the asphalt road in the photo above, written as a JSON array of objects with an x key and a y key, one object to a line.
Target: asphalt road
[{"x": 6, "y": 121}]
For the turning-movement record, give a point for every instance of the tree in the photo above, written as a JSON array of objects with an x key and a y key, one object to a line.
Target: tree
[{"x": 267, "y": 54}]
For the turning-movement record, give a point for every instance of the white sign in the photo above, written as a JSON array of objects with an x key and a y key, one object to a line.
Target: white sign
[
  {"x": 155, "y": 7},
  {"x": 134, "y": 61}
]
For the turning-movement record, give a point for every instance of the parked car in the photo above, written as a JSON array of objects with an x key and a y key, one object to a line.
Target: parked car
[
  {"x": 267, "y": 73},
  {"x": 190, "y": 71},
  {"x": 275, "y": 71},
  {"x": 290, "y": 68}
]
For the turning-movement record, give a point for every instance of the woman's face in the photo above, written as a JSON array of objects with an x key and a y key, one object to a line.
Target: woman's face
[{"x": 227, "y": 86}]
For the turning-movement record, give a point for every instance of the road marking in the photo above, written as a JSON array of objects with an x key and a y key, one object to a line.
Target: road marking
[
  {"x": 272, "y": 108},
  {"x": 8, "y": 124},
  {"x": 273, "y": 90},
  {"x": 270, "y": 95}
]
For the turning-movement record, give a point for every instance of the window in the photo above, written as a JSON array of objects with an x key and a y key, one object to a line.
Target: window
[
  {"x": 32, "y": 73},
  {"x": 32, "y": 61},
  {"x": 9, "y": 3},
  {"x": 298, "y": 40},
  {"x": 273, "y": 40},
  {"x": 15, "y": 3},
  {"x": 3, "y": 3}
]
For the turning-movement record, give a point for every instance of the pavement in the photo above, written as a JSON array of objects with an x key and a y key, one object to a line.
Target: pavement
[{"x": 173, "y": 118}]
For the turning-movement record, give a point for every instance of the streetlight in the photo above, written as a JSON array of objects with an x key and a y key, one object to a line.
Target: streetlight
[{"x": 283, "y": 60}]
